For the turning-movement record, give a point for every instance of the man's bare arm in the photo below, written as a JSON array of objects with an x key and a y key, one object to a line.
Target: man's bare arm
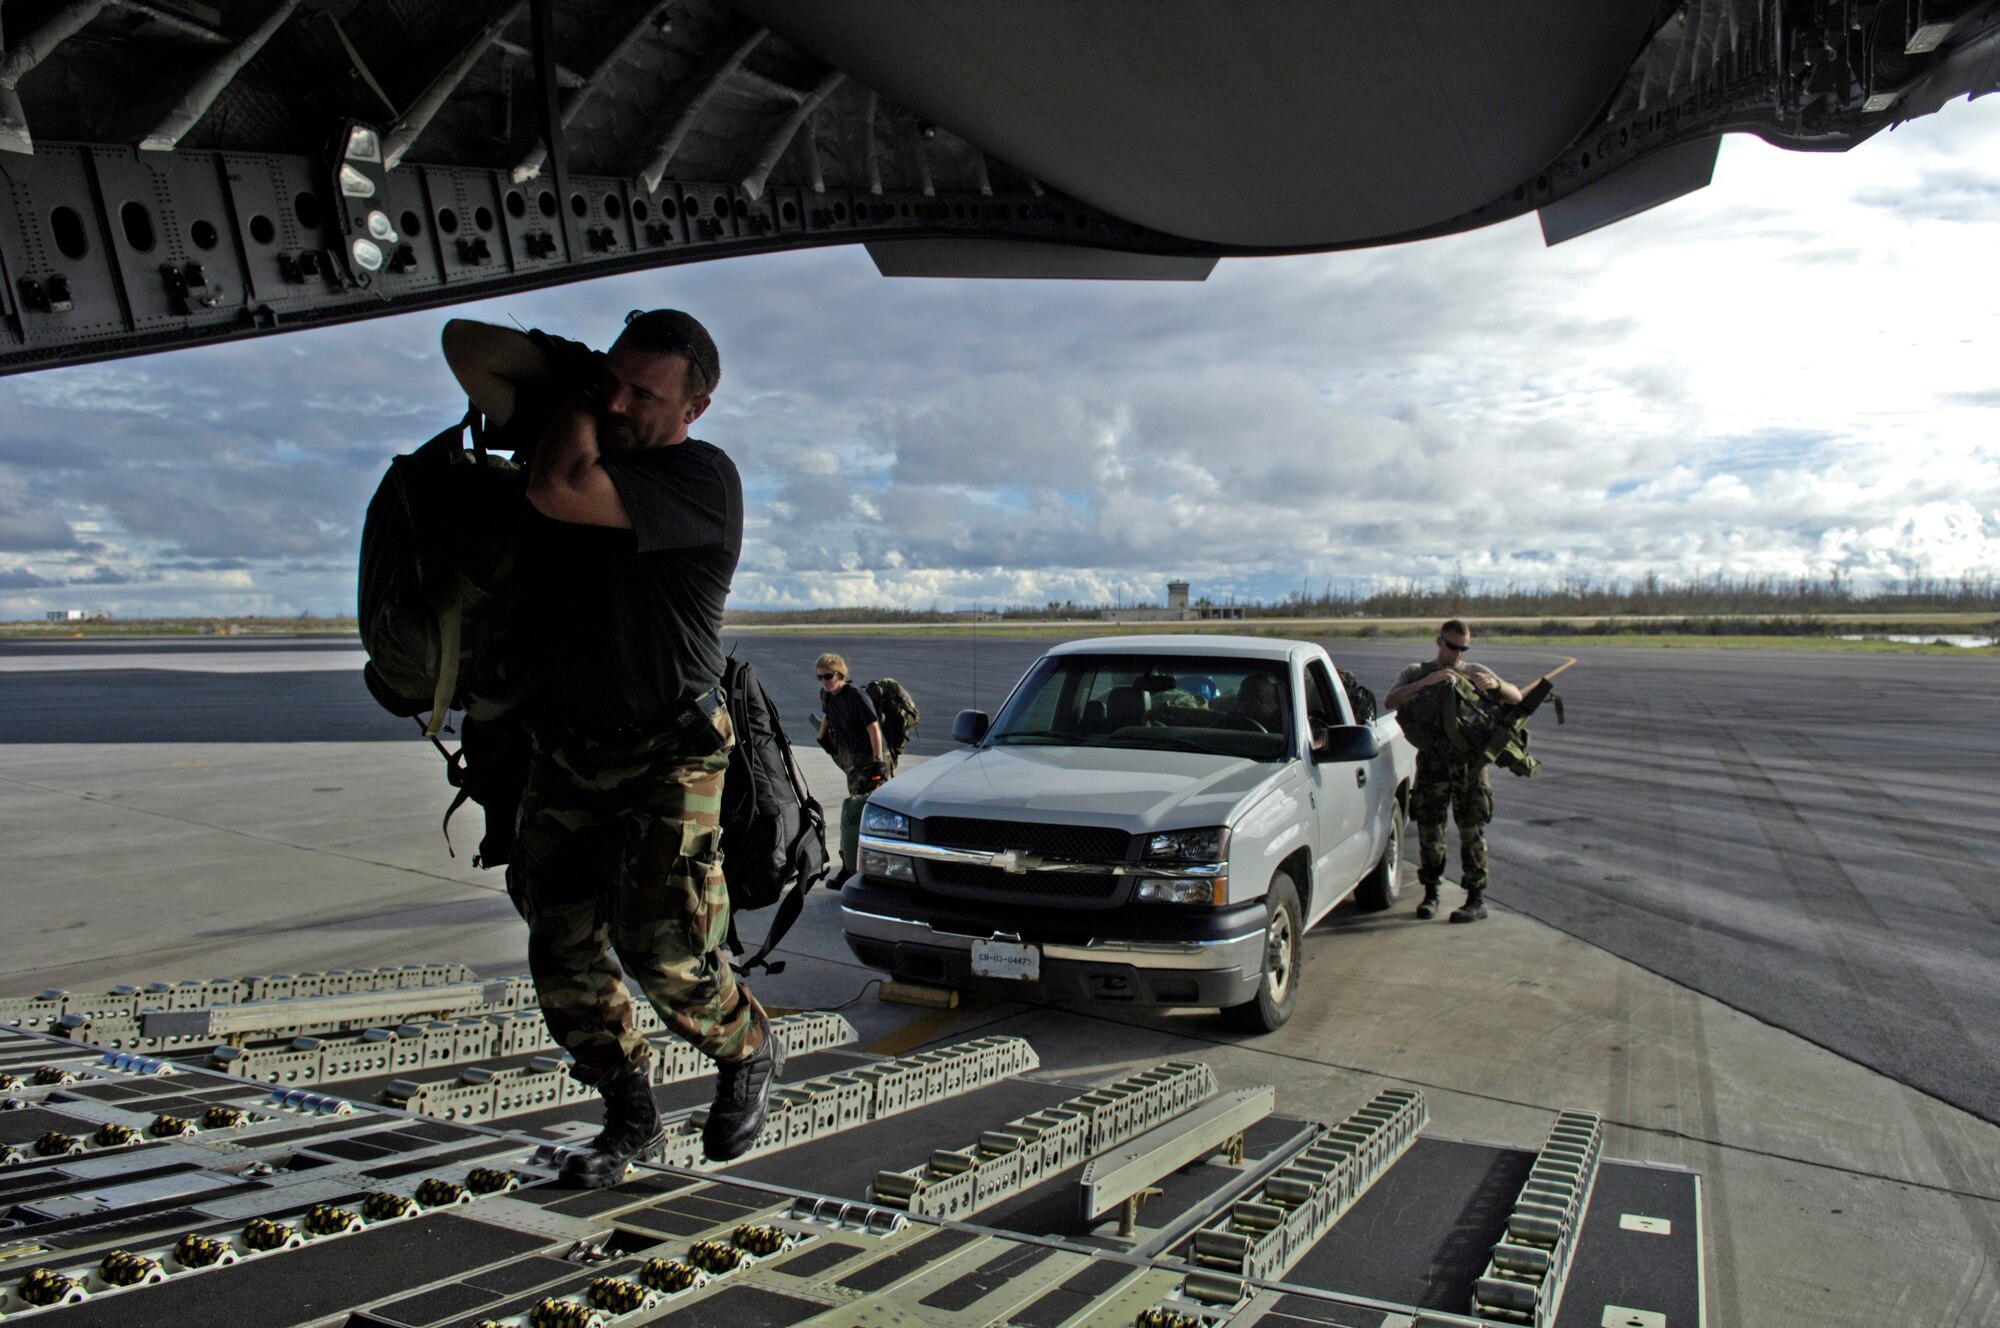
[
  {"x": 489, "y": 360},
  {"x": 567, "y": 480},
  {"x": 1486, "y": 680}
]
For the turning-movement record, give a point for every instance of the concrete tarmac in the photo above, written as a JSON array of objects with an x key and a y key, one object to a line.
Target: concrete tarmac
[
  {"x": 1833, "y": 1193},
  {"x": 1807, "y": 837}
]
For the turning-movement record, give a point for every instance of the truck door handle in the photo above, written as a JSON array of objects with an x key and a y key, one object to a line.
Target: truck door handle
[{"x": 1361, "y": 777}]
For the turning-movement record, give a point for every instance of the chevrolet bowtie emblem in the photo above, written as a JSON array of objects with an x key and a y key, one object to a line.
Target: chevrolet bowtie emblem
[{"x": 1016, "y": 862}]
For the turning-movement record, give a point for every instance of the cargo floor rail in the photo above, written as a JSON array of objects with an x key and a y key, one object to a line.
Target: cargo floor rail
[{"x": 1523, "y": 1281}]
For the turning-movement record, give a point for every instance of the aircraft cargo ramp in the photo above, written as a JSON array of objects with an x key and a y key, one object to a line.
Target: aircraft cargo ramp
[{"x": 378, "y": 1148}]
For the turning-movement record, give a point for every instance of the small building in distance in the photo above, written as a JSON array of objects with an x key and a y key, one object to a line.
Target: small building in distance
[
  {"x": 1178, "y": 610},
  {"x": 78, "y": 615}
]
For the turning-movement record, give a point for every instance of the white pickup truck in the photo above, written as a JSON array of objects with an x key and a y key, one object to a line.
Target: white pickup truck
[{"x": 1151, "y": 820}]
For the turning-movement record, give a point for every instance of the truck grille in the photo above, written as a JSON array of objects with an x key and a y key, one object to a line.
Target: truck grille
[
  {"x": 953, "y": 877},
  {"x": 1071, "y": 842}
]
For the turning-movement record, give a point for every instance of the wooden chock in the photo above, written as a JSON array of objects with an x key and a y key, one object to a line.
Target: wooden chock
[{"x": 913, "y": 993}]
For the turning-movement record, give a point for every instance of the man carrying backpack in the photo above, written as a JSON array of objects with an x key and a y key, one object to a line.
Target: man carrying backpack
[
  {"x": 617, "y": 849},
  {"x": 1448, "y": 787},
  {"x": 851, "y": 729}
]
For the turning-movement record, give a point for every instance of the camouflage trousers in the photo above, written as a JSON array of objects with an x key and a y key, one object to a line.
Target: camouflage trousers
[
  {"x": 1462, "y": 792},
  {"x": 618, "y": 859}
]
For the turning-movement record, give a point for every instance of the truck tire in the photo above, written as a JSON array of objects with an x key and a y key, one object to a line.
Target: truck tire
[
  {"x": 1379, "y": 888},
  {"x": 1278, "y": 990}
]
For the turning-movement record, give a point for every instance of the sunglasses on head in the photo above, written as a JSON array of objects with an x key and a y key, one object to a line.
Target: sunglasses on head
[{"x": 825, "y": 677}]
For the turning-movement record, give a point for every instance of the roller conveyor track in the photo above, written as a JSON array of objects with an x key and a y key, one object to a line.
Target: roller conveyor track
[{"x": 167, "y": 1186}]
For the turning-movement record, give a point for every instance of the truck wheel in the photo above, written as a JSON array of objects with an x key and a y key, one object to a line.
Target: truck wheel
[
  {"x": 1279, "y": 990},
  {"x": 1379, "y": 888}
]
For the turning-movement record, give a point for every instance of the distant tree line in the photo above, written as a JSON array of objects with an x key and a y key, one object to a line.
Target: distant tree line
[
  {"x": 778, "y": 617},
  {"x": 1649, "y": 596},
  {"x": 1784, "y": 605}
]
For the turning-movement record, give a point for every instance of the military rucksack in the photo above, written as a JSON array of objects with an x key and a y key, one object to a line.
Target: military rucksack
[
  {"x": 440, "y": 602},
  {"x": 440, "y": 583},
  {"x": 773, "y": 829},
  {"x": 1463, "y": 725},
  {"x": 896, "y": 711},
  {"x": 1359, "y": 697}
]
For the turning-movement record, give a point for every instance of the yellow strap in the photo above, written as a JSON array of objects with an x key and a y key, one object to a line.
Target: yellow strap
[{"x": 450, "y": 627}]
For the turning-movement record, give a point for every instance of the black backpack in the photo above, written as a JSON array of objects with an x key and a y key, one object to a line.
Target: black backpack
[
  {"x": 773, "y": 829},
  {"x": 440, "y": 587},
  {"x": 896, "y": 711}
]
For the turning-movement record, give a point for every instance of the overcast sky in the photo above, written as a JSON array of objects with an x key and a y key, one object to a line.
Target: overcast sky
[{"x": 1794, "y": 371}]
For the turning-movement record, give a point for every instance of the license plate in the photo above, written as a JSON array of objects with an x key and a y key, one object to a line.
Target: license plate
[{"x": 1005, "y": 959}]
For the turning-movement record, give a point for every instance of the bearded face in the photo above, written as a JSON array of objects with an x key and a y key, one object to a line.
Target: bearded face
[{"x": 646, "y": 400}]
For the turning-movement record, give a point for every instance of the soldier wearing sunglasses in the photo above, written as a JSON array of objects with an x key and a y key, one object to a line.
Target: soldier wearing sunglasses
[
  {"x": 852, "y": 732},
  {"x": 1446, "y": 787}
]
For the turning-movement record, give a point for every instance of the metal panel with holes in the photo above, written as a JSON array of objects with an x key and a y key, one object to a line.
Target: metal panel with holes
[
  {"x": 58, "y": 255},
  {"x": 279, "y": 207},
  {"x": 656, "y": 220},
  {"x": 466, "y": 223},
  {"x": 167, "y": 222},
  {"x": 413, "y": 265},
  {"x": 532, "y": 219},
  {"x": 715, "y": 212},
  {"x": 598, "y": 215}
]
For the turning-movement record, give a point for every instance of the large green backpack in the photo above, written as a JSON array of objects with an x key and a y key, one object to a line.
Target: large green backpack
[
  {"x": 441, "y": 615},
  {"x": 440, "y": 582},
  {"x": 1461, "y": 724},
  {"x": 896, "y": 711}
]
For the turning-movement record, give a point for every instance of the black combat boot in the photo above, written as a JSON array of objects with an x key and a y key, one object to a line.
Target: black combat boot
[
  {"x": 631, "y": 1128},
  {"x": 742, "y": 1089},
  {"x": 1427, "y": 908},
  {"x": 1473, "y": 909}
]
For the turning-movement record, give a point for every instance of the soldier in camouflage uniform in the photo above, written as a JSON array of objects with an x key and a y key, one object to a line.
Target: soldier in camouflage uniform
[
  {"x": 1451, "y": 787},
  {"x": 617, "y": 855}
]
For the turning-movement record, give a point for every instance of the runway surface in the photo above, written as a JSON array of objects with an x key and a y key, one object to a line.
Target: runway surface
[{"x": 1806, "y": 837}]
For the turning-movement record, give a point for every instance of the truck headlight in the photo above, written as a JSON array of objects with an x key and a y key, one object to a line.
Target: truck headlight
[
  {"x": 888, "y": 866},
  {"x": 881, "y": 821},
  {"x": 1198, "y": 861},
  {"x": 1210, "y": 845},
  {"x": 1184, "y": 890}
]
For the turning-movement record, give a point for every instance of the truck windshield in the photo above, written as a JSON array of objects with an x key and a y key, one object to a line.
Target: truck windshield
[{"x": 1178, "y": 703}]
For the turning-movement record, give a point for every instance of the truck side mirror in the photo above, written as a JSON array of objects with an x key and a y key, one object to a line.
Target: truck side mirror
[
  {"x": 969, "y": 727},
  {"x": 1349, "y": 742}
]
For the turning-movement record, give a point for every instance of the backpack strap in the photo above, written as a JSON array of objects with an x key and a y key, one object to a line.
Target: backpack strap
[
  {"x": 445, "y": 825},
  {"x": 454, "y": 775}
]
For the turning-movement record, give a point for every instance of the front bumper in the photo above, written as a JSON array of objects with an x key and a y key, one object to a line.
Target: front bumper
[{"x": 1159, "y": 956}]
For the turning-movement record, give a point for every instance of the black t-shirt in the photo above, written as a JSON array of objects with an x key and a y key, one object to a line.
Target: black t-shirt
[
  {"x": 849, "y": 712},
  {"x": 632, "y": 619}
]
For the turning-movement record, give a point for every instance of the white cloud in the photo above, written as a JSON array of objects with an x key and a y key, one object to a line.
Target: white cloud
[{"x": 1945, "y": 540}]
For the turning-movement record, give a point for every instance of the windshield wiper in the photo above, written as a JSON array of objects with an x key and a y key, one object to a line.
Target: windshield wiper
[
  {"x": 1163, "y": 740},
  {"x": 1059, "y": 735}
]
